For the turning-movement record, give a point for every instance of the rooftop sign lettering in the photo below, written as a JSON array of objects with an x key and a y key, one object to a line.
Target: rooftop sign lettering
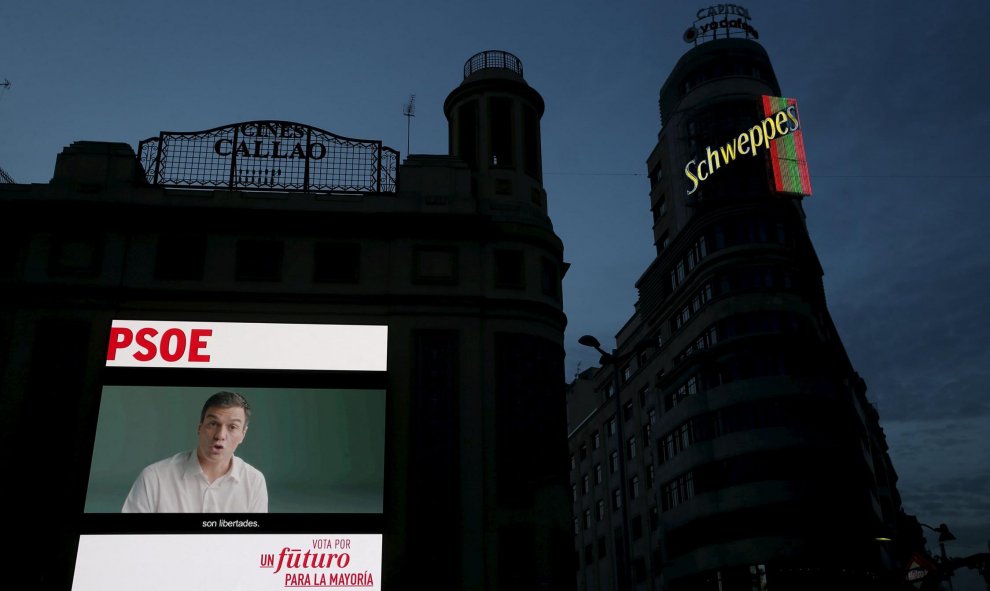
[
  {"x": 778, "y": 134},
  {"x": 269, "y": 155},
  {"x": 727, "y": 18}
]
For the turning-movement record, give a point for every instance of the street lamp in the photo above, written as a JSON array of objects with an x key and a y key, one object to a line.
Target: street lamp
[
  {"x": 615, "y": 360},
  {"x": 944, "y": 535}
]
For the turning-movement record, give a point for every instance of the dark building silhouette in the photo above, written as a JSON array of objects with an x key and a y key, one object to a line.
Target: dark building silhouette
[
  {"x": 728, "y": 444},
  {"x": 460, "y": 260}
]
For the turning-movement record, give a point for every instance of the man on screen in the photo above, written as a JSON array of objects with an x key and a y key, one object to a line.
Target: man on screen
[{"x": 210, "y": 478}]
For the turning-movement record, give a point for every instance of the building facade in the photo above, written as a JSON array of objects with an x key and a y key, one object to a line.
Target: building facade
[
  {"x": 459, "y": 259},
  {"x": 727, "y": 444}
]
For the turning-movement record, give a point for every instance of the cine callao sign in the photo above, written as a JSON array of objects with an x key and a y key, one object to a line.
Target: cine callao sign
[
  {"x": 779, "y": 134},
  {"x": 274, "y": 140}
]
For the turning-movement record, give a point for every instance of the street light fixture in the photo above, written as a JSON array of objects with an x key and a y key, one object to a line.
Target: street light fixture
[{"x": 944, "y": 535}]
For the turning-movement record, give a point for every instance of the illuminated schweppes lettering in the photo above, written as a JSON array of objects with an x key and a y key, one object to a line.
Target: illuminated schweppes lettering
[
  {"x": 271, "y": 140},
  {"x": 777, "y": 125}
]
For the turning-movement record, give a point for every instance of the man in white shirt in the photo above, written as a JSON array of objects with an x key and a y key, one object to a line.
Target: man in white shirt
[{"x": 209, "y": 479}]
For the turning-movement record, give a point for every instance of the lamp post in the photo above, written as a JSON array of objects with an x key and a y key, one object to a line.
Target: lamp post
[
  {"x": 623, "y": 575},
  {"x": 944, "y": 535}
]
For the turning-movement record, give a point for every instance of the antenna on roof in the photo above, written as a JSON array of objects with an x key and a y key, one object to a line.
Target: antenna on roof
[{"x": 409, "y": 110}]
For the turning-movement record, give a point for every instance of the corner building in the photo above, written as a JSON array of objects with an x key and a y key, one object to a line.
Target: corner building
[
  {"x": 751, "y": 456},
  {"x": 459, "y": 260}
]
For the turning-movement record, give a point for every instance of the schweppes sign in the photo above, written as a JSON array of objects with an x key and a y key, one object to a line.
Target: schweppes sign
[{"x": 778, "y": 135}]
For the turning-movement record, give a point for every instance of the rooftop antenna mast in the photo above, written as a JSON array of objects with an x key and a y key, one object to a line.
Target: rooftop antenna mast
[
  {"x": 409, "y": 110},
  {"x": 4, "y": 177}
]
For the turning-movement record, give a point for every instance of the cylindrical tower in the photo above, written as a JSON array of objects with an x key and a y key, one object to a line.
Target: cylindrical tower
[{"x": 494, "y": 119}]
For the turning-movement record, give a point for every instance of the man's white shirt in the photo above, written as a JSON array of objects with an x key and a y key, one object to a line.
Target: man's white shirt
[{"x": 178, "y": 485}]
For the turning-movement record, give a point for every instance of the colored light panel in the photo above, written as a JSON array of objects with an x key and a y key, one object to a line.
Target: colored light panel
[{"x": 788, "y": 165}]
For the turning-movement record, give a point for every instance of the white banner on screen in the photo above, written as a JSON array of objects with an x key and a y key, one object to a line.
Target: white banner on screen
[
  {"x": 245, "y": 562},
  {"x": 242, "y": 345}
]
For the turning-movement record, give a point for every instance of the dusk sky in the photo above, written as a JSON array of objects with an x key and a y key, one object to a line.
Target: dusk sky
[{"x": 893, "y": 101}]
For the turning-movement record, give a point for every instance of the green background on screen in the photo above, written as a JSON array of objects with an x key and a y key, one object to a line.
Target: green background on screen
[{"x": 321, "y": 450}]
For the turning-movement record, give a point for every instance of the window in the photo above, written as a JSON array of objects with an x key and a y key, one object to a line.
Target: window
[
  {"x": 634, "y": 487},
  {"x": 599, "y": 475},
  {"x": 677, "y": 491},
  {"x": 180, "y": 258},
  {"x": 663, "y": 242},
  {"x": 652, "y": 414},
  {"x": 647, "y": 431},
  {"x": 336, "y": 262},
  {"x": 596, "y": 440},
  {"x": 574, "y": 493},
  {"x": 585, "y": 484},
  {"x": 577, "y": 526},
  {"x": 573, "y": 464},
  {"x": 627, "y": 372},
  {"x": 500, "y": 126},
  {"x": 600, "y": 509},
  {"x": 654, "y": 518},
  {"x": 668, "y": 447},
  {"x": 75, "y": 256},
  {"x": 627, "y": 410},
  {"x": 616, "y": 499},
  {"x": 509, "y": 269},
  {"x": 583, "y": 451},
  {"x": 587, "y": 519},
  {"x": 639, "y": 565},
  {"x": 549, "y": 279},
  {"x": 651, "y": 476},
  {"x": 631, "y": 447},
  {"x": 642, "y": 395},
  {"x": 435, "y": 265},
  {"x": 683, "y": 435},
  {"x": 613, "y": 462},
  {"x": 259, "y": 260},
  {"x": 610, "y": 426}
]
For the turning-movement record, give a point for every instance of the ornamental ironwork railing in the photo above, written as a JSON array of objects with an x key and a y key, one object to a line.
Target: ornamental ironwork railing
[
  {"x": 493, "y": 58},
  {"x": 267, "y": 156}
]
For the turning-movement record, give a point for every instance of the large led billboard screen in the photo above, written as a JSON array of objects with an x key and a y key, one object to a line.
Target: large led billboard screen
[{"x": 244, "y": 454}]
